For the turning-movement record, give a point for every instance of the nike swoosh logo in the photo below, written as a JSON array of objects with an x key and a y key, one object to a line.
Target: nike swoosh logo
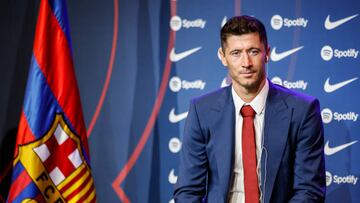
[
  {"x": 172, "y": 177},
  {"x": 331, "y": 25},
  {"x": 223, "y": 22},
  {"x": 332, "y": 150},
  {"x": 174, "y": 118},
  {"x": 333, "y": 87},
  {"x": 174, "y": 57},
  {"x": 279, "y": 56}
]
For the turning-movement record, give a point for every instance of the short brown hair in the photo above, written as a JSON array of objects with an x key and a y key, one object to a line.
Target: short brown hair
[{"x": 239, "y": 25}]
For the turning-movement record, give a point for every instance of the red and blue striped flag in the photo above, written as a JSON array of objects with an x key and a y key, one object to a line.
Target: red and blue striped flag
[{"x": 52, "y": 162}]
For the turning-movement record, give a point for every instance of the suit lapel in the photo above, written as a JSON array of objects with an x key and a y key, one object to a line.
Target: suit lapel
[
  {"x": 223, "y": 132},
  {"x": 277, "y": 121}
]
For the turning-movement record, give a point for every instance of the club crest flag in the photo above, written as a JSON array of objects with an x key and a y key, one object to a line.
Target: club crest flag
[{"x": 52, "y": 162}]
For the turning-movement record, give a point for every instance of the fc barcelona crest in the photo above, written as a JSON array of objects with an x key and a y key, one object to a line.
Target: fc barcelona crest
[{"x": 56, "y": 165}]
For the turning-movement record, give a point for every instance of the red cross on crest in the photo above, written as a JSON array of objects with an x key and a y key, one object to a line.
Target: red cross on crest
[{"x": 59, "y": 154}]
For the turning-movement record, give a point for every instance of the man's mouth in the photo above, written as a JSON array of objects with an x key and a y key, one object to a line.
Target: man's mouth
[{"x": 247, "y": 72}]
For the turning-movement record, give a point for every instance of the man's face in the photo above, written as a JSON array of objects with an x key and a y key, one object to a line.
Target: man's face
[{"x": 245, "y": 56}]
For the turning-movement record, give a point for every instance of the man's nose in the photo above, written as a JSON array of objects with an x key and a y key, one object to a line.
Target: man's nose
[{"x": 246, "y": 61}]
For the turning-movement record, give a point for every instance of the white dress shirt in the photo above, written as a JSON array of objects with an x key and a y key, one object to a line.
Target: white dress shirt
[{"x": 236, "y": 193}]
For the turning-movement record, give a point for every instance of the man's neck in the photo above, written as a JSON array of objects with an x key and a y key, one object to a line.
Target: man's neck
[{"x": 247, "y": 94}]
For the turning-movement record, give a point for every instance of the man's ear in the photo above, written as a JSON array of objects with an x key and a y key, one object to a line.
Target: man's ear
[
  {"x": 221, "y": 55},
  {"x": 267, "y": 57}
]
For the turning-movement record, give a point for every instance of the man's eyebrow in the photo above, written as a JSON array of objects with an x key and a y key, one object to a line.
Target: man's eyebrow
[
  {"x": 235, "y": 49},
  {"x": 240, "y": 50},
  {"x": 257, "y": 48}
]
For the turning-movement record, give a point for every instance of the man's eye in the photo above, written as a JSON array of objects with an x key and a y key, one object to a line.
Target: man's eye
[
  {"x": 235, "y": 53},
  {"x": 253, "y": 52}
]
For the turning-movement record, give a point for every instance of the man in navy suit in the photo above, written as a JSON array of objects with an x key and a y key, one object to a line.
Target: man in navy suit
[{"x": 287, "y": 132}]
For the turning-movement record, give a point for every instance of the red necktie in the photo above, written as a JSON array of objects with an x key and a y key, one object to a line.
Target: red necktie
[{"x": 249, "y": 155}]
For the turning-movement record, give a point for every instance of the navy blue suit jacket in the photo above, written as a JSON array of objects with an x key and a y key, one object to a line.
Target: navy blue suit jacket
[{"x": 292, "y": 161}]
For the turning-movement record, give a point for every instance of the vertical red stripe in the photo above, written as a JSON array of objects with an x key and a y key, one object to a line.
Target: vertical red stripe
[
  {"x": 87, "y": 194},
  {"x": 24, "y": 134},
  {"x": 52, "y": 52},
  {"x": 18, "y": 185},
  {"x": 73, "y": 181},
  {"x": 80, "y": 188}
]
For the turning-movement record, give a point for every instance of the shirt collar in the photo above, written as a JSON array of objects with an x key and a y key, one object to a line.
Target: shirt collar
[{"x": 258, "y": 103}]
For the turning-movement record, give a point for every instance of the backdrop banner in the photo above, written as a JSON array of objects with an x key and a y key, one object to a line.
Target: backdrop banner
[{"x": 138, "y": 63}]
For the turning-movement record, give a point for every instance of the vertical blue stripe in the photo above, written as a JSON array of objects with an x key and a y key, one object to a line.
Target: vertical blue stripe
[
  {"x": 41, "y": 106},
  {"x": 60, "y": 11},
  {"x": 31, "y": 191},
  {"x": 16, "y": 171}
]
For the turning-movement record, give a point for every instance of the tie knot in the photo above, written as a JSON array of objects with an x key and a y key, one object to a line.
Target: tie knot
[{"x": 247, "y": 111}]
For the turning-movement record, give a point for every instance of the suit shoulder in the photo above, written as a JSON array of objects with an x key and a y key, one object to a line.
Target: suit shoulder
[{"x": 211, "y": 97}]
